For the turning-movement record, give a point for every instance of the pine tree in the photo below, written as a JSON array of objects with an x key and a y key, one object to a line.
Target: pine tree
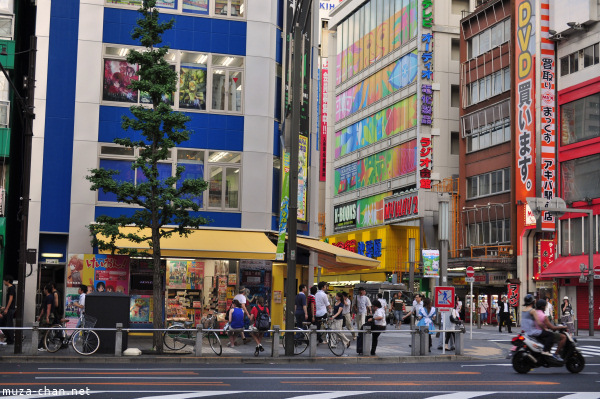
[{"x": 164, "y": 204}]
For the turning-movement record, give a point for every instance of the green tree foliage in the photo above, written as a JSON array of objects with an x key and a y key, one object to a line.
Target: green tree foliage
[{"x": 162, "y": 205}]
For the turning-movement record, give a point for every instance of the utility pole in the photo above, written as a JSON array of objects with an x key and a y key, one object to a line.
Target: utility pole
[{"x": 297, "y": 31}]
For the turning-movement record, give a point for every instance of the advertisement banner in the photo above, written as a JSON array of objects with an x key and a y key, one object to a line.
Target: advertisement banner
[
  {"x": 369, "y": 211},
  {"x": 140, "y": 309},
  {"x": 176, "y": 274},
  {"x": 111, "y": 273},
  {"x": 283, "y": 210},
  {"x": 118, "y": 75},
  {"x": 324, "y": 119},
  {"x": 431, "y": 263},
  {"x": 547, "y": 81},
  {"x": 344, "y": 217},
  {"x": 513, "y": 295},
  {"x": 195, "y": 6},
  {"x": 302, "y": 177},
  {"x": 400, "y": 207},
  {"x": 547, "y": 251}
]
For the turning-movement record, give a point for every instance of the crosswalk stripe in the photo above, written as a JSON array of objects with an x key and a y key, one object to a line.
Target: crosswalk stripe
[
  {"x": 330, "y": 395},
  {"x": 582, "y": 395},
  {"x": 460, "y": 395},
  {"x": 191, "y": 395}
]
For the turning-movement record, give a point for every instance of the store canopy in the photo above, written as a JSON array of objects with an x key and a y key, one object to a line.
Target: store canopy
[
  {"x": 335, "y": 258},
  {"x": 568, "y": 266},
  {"x": 206, "y": 243}
]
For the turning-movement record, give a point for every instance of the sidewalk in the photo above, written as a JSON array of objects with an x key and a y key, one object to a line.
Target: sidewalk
[{"x": 486, "y": 343}]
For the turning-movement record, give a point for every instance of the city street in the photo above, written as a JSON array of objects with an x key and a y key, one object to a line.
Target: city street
[{"x": 176, "y": 381}]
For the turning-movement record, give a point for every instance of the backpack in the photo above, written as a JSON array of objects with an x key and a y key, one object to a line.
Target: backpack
[
  {"x": 263, "y": 321},
  {"x": 227, "y": 312}
]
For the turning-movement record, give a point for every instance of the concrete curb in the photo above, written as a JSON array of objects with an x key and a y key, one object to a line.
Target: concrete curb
[{"x": 236, "y": 359}]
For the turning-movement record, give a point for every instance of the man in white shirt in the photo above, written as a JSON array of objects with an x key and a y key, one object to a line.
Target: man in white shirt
[
  {"x": 549, "y": 311},
  {"x": 82, "y": 291},
  {"x": 362, "y": 306},
  {"x": 241, "y": 298},
  {"x": 383, "y": 302},
  {"x": 322, "y": 306}
]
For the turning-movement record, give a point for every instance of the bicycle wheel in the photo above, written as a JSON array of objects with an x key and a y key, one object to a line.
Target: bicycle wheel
[
  {"x": 53, "y": 339},
  {"x": 215, "y": 342},
  {"x": 336, "y": 345},
  {"x": 172, "y": 339},
  {"x": 301, "y": 341},
  {"x": 85, "y": 342}
]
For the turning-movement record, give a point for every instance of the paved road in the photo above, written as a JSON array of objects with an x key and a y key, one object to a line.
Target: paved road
[{"x": 319, "y": 381}]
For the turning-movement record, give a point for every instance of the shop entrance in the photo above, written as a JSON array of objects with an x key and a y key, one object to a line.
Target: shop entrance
[
  {"x": 481, "y": 293},
  {"x": 49, "y": 273}
]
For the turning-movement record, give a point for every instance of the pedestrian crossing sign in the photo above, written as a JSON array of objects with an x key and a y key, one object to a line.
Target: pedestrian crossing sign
[{"x": 444, "y": 298}]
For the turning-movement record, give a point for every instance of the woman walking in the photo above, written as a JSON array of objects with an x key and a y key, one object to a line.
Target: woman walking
[
  {"x": 338, "y": 317},
  {"x": 427, "y": 313},
  {"x": 567, "y": 314}
]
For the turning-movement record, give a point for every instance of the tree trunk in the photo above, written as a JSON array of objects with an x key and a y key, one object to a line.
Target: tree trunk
[{"x": 157, "y": 293}]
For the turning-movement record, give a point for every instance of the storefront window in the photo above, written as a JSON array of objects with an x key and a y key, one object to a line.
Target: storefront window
[
  {"x": 224, "y": 181},
  {"x": 580, "y": 119},
  {"x": 227, "y": 83},
  {"x": 125, "y": 174}
]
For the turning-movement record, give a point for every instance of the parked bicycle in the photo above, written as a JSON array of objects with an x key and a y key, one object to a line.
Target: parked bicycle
[
  {"x": 85, "y": 342},
  {"x": 301, "y": 339},
  {"x": 333, "y": 339},
  {"x": 176, "y": 340}
]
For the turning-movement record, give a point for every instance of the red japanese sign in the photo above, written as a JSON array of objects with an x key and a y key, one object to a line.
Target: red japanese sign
[
  {"x": 324, "y": 119},
  {"x": 425, "y": 162},
  {"x": 513, "y": 295}
]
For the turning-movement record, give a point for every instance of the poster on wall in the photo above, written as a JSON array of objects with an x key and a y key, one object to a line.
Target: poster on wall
[
  {"x": 255, "y": 275},
  {"x": 195, "y": 275},
  {"x": 111, "y": 273},
  {"x": 118, "y": 75},
  {"x": 302, "y": 177},
  {"x": 71, "y": 299},
  {"x": 196, "y": 6},
  {"x": 192, "y": 83},
  {"x": 176, "y": 274},
  {"x": 140, "y": 309},
  {"x": 370, "y": 210},
  {"x": 80, "y": 270},
  {"x": 431, "y": 263}
]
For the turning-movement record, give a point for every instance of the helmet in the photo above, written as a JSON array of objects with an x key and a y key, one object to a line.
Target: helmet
[
  {"x": 529, "y": 300},
  {"x": 540, "y": 304}
]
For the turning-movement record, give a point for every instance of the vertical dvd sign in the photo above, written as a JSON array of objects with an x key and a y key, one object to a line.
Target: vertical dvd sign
[
  {"x": 547, "y": 115},
  {"x": 323, "y": 124}
]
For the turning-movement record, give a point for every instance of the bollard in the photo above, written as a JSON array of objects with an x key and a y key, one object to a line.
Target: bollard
[
  {"x": 198, "y": 346},
  {"x": 412, "y": 321},
  {"x": 459, "y": 337},
  {"x": 479, "y": 321},
  {"x": 415, "y": 342},
  {"x": 119, "y": 340},
  {"x": 367, "y": 340},
  {"x": 313, "y": 341},
  {"x": 35, "y": 338},
  {"x": 275, "y": 342},
  {"x": 424, "y": 341}
]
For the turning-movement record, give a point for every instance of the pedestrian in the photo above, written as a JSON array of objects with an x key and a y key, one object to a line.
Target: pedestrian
[
  {"x": 241, "y": 298},
  {"x": 382, "y": 301},
  {"x": 236, "y": 322},
  {"x": 46, "y": 317},
  {"x": 8, "y": 311},
  {"x": 504, "y": 314},
  {"x": 300, "y": 309},
  {"x": 338, "y": 317},
  {"x": 397, "y": 307},
  {"x": 362, "y": 307},
  {"x": 347, "y": 314},
  {"x": 483, "y": 311},
  {"x": 379, "y": 324},
  {"x": 257, "y": 314},
  {"x": 549, "y": 311},
  {"x": 427, "y": 314},
  {"x": 311, "y": 305},
  {"x": 455, "y": 321},
  {"x": 323, "y": 307},
  {"x": 80, "y": 304},
  {"x": 417, "y": 305},
  {"x": 567, "y": 314}
]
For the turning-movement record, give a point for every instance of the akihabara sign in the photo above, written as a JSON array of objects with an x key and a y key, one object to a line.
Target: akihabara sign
[
  {"x": 401, "y": 207},
  {"x": 344, "y": 217}
]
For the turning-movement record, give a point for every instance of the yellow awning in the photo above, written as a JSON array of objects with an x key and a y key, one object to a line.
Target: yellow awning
[
  {"x": 210, "y": 244},
  {"x": 336, "y": 259}
]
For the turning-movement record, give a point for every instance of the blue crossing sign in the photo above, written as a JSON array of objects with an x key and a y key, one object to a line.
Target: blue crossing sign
[{"x": 444, "y": 298}]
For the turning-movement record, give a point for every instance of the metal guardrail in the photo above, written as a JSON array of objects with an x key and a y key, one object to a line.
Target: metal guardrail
[{"x": 419, "y": 340}]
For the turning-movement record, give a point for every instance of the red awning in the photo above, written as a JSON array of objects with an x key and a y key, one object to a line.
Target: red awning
[{"x": 568, "y": 266}]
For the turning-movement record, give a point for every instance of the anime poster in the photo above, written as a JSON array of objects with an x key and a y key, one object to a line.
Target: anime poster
[
  {"x": 177, "y": 274},
  {"x": 256, "y": 276},
  {"x": 192, "y": 87},
  {"x": 80, "y": 270},
  {"x": 369, "y": 211},
  {"x": 111, "y": 273},
  {"x": 118, "y": 75},
  {"x": 431, "y": 263},
  {"x": 71, "y": 299},
  {"x": 168, "y": 4},
  {"x": 195, "y": 275},
  {"x": 140, "y": 309},
  {"x": 302, "y": 177},
  {"x": 196, "y": 6}
]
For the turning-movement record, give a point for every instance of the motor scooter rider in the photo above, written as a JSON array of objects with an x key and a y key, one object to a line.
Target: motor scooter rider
[
  {"x": 545, "y": 324},
  {"x": 530, "y": 323}
]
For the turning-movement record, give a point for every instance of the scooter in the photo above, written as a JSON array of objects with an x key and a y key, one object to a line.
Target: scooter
[{"x": 527, "y": 354}]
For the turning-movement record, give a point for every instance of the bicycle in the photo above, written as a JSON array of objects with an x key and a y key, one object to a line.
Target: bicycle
[
  {"x": 85, "y": 342},
  {"x": 333, "y": 339},
  {"x": 176, "y": 340},
  {"x": 301, "y": 339}
]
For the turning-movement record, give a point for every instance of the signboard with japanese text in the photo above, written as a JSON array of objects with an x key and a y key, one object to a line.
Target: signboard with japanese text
[
  {"x": 425, "y": 162},
  {"x": 324, "y": 119},
  {"x": 547, "y": 115},
  {"x": 513, "y": 295},
  {"x": 547, "y": 251},
  {"x": 444, "y": 298},
  {"x": 283, "y": 211},
  {"x": 369, "y": 248},
  {"x": 369, "y": 211},
  {"x": 302, "y": 177},
  {"x": 401, "y": 207}
]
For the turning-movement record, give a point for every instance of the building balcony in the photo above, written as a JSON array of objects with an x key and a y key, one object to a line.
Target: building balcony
[{"x": 489, "y": 251}]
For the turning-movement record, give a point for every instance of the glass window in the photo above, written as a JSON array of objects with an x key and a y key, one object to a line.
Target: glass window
[
  {"x": 475, "y": 45},
  {"x": 564, "y": 237},
  {"x": 482, "y": 90},
  {"x": 486, "y": 232},
  {"x": 361, "y": 34},
  {"x": 573, "y": 62},
  {"x": 580, "y": 119},
  {"x": 472, "y": 187},
  {"x": 118, "y": 75},
  {"x": 215, "y": 186},
  {"x": 116, "y": 150},
  {"x": 356, "y": 41},
  {"x": 232, "y": 187},
  {"x": 235, "y": 91},
  {"x": 484, "y": 184},
  {"x": 475, "y": 92},
  {"x": 485, "y": 138},
  {"x": 219, "y": 84},
  {"x": 125, "y": 174},
  {"x": 230, "y": 8},
  {"x": 506, "y": 230},
  {"x": 507, "y": 29},
  {"x": 497, "y": 133},
  {"x": 484, "y": 41},
  {"x": 497, "y": 83},
  {"x": 576, "y": 236},
  {"x": 580, "y": 178},
  {"x": 497, "y": 34},
  {"x": 379, "y": 35},
  {"x": 506, "y": 179},
  {"x": 588, "y": 56},
  {"x": 497, "y": 180},
  {"x": 192, "y": 81},
  {"x": 345, "y": 29},
  {"x": 506, "y": 130},
  {"x": 564, "y": 66},
  {"x": 224, "y": 157},
  {"x": 488, "y": 86},
  {"x": 596, "y": 54},
  {"x": 350, "y": 46},
  {"x": 197, "y": 6},
  {"x": 385, "y": 30},
  {"x": 506, "y": 79}
]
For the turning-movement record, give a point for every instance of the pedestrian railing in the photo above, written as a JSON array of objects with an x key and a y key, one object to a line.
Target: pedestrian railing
[{"x": 419, "y": 337}]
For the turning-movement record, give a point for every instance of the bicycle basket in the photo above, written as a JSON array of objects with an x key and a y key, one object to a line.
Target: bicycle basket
[{"x": 89, "y": 321}]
